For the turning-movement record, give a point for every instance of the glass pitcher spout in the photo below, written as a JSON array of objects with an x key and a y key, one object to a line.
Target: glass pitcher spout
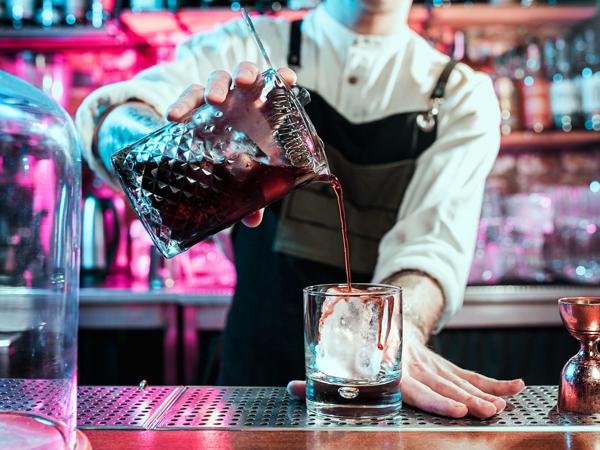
[{"x": 303, "y": 146}]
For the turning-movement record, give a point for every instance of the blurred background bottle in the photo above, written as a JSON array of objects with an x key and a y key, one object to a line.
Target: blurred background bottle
[
  {"x": 535, "y": 91},
  {"x": 51, "y": 13},
  {"x": 96, "y": 15},
  {"x": 564, "y": 93},
  {"x": 19, "y": 12},
  {"x": 304, "y": 4},
  {"x": 74, "y": 12},
  {"x": 590, "y": 82},
  {"x": 147, "y": 5},
  {"x": 507, "y": 93},
  {"x": 48, "y": 13}
]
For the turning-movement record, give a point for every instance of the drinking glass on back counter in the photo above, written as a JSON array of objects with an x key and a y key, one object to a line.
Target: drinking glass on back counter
[{"x": 353, "y": 346}]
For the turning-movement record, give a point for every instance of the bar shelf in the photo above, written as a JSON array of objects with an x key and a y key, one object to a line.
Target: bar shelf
[
  {"x": 140, "y": 28},
  {"x": 457, "y": 16},
  {"x": 465, "y": 16},
  {"x": 57, "y": 39},
  {"x": 524, "y": 140}
]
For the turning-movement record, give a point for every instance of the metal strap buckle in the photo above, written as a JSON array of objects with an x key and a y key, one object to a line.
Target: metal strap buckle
[{"x": 426, "y": 122}]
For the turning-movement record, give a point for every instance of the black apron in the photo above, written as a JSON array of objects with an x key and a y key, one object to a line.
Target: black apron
[{"x": 299, "y": 242}]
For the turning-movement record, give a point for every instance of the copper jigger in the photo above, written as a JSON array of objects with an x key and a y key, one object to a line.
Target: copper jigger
[{"x": 579, "y": 390}]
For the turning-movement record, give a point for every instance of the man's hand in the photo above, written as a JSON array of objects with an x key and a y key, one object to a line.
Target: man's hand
[
  {"x": 434, "y": 384},
  {"x": 431, "y": 383},
  {"x": 215, "y": 92}
]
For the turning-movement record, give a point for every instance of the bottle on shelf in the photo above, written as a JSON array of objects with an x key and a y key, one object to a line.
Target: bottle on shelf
[
  {"x": 564, "y": 93},
  {"x": 267, "y": 6},
  {"x": 96, "y": 14},
  {"x": 507, "y": 93},
  {"x": 19, "y": 13},
  {"x": 147, "y": 5},
  {"x": 307, "y": 4},
  {"x": 535, "y": 91},
  {"x": 170, "y": 5},
  {"x": 470, "y": 49},
  {"x": 74, "y": 12},
  {"x": 590, "y": 82},
  {"x": 48, "y": 13}
]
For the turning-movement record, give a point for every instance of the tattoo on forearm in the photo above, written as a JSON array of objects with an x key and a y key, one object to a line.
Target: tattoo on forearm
[
  {"x": 422, "y": 298},
  {"x": 124, "y": 125}
]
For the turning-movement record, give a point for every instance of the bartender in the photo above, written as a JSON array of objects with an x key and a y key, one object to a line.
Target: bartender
[{"x": 411, "y": 135}]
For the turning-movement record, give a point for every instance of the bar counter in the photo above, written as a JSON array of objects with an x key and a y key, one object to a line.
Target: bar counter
[
  {"x": 165, "y": 417},
  {"x": 342, "y": 440}
]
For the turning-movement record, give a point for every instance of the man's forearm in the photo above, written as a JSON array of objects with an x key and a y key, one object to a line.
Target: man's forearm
[
  {"x": 423, "y": 301},
  {"x": 122, "y": 126}
]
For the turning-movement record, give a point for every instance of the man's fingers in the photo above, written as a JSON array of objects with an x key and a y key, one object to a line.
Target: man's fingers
[
  {"x": 288, "y": 75},
  {"x": 420, "y": 396},
  {"x": 498, "y": 402},
  {"x": 297, "y": 388},
  {"x": 189, "y": 99},
  {"x": 245, "y": 74},
  {"x": 253, "y": 220},
  {"x": 478, "y": 407},
  {"x": 491, "y": 385},
  {"x": 217, "y": 87}
]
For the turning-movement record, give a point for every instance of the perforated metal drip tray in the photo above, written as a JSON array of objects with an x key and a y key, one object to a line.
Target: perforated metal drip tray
[
  {"x": 201, "y": 408},
  {"x": 238, "y": 408},
  {"x": 123, "y": 407},
  {"x": 115, "y": 407}
]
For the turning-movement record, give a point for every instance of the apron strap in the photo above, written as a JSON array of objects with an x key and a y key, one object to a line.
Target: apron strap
[
  {"x": 294, "y": 50},
  {"x": 427, "y": 121},
  {"x": 440, "y": 87}
]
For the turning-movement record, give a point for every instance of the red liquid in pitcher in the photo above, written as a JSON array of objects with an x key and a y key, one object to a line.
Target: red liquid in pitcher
[
  {"x": 184, "y": 202},
  {"x": 223, "y": 198}
]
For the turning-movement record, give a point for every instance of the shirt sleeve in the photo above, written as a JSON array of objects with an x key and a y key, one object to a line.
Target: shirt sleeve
[
  {"x": 437, "y": 222},
  {"x": 160, "y": 85}
]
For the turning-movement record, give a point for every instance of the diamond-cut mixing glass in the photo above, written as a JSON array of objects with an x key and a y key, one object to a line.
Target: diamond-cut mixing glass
[{"x": 193, "y": 178}]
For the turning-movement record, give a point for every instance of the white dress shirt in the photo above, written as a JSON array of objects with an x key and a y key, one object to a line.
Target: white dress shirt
[{"x": 365, "y": 78}]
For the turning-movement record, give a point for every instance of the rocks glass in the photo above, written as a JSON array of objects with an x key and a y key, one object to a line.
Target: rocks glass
[{"x": 353, "y": 345}]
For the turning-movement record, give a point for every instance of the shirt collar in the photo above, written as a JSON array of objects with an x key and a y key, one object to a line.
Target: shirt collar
[{"x": 343, "y": 37}]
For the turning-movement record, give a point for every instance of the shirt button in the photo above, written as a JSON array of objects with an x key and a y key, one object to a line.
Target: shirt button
[{"x": 352, "y": 79}]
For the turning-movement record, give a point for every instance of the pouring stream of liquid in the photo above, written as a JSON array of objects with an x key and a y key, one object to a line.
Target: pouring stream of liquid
[{"x": 339, "y": 193}]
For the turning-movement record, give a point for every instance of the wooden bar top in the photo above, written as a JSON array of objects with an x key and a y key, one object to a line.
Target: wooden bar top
[{"x": 342, "y": 440}]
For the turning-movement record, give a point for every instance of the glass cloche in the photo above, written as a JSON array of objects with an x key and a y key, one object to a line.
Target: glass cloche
[{"x": 40, "y": 165}]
